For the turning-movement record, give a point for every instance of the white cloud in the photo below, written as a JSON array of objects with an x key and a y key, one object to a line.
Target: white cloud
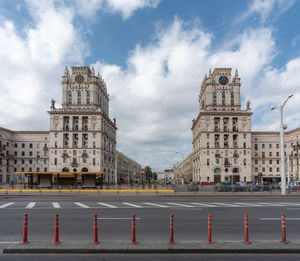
[
  {"x": 266, "y": 8},
  {"x": 156, "y": 97},
  {"x": 89, "y": 8},
  {"x": 32, "y": 64}
]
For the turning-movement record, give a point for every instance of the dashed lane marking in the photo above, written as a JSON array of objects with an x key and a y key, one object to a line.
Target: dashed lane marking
[
  {"x": 81, "y": 205},
  {"x": 107, "y": 205},
  {"x": 204, "y": 205},
  {"x": 225, "y": 205},
  {"x": 31, "y": 205},
  {"x": 55, "y": 205},
  {"x": 7, "y": 204},
  {"x": 181, "y": 205},
  {"x": 132, "y": 205},
  {"x": 156, "y": 205}
]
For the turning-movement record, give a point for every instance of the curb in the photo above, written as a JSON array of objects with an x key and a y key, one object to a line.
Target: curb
[{"x": 266, "y": 247}]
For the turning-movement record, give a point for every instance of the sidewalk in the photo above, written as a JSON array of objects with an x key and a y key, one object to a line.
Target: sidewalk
[
  {"x": 153, "y": 247},
  {"x": 158, "y": 193}
]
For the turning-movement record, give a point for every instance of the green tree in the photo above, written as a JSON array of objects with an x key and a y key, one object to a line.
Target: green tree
[{"x": 149, "y": 174}]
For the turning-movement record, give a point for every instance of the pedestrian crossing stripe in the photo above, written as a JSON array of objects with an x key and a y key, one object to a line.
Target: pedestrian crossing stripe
[{"x": 41, "y": 205}]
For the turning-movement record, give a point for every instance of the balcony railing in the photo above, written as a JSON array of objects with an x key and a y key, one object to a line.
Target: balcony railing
[{"x": 84, "y": 154}]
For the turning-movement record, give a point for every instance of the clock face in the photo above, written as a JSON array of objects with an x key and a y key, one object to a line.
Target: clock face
[
  {"x": 79, "y": 78},
  {"x": 223, "y": 80}
]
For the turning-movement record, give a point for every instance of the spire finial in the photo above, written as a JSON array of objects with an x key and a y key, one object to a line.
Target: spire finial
[
  {"x": 98, "y": 75},
  {"x": 236, "y": 73},
  {"x": 66, "y": 71},
  {"x": 93, "y": 70},
  {"x": 209, "y": 72}
]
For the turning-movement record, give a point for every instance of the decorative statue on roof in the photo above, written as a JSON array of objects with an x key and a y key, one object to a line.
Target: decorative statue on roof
[
  {"x": 52, "y": 104},
  {"x": 248, "y": 105}
]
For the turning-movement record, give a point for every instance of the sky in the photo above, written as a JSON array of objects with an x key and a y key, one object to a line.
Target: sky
[{"x": 153, "y": 55}]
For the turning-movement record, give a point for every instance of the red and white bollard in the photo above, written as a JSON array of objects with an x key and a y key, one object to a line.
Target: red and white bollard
[
  {"x": 246, "y": 241},
  {"x": 133, "y": 241},
  {"x": 171, "y": 242},
  {"x": 283, "y": 229},
  {"x": 56, "y": 231},
  {"x": 25, "y": 230},
  {"x": 209, "y": 241},
  {"x": 96, "y": 242}
]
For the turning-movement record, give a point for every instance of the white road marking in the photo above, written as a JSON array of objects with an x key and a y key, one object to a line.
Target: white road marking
[
  {"x": 271, "y": 204},
  {"x": 9, "y": 242},
  {"x": 55, "y": 205},
  {"x": 289, "y": 204},
  {"x": 204, "y": 205},
  {"x": 118, "y": 218},
  {"x": 156, "y": 205},
  {"x": 279, "y": 218},
  {"x": 132, "y": 205},
  {"x": 81, "y": 205},
  {"x": 107, "y": 205},
  {"x": 181, "y": 205},
  {"x": 7, "y": 204},
  {"x": 31, "y": 205},
  {"x": 249, "y": 204},
  {"x": 293, "y": 208},
  {"x": 226, "y": 205}
]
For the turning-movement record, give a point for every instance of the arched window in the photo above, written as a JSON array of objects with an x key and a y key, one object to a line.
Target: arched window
[
  {"x": 225, "y": 128},
  {"x": 70, "y": 93},
  {"x": 65, "y": 170},
  {"x": 202, "y": 104},
  {"x": 84, "y": 170},
  {"x": 235, "y": 170},
  {"x": 217, "y": 171},
  {"x": 214, "y": 95},
  {"x": 87, "y": 93},
  {"x": 232, "y": 94},
  {"x": 223, "y": 94},
  {"x": 216, "y": 128},
  {"x": 79, "y": 94}
]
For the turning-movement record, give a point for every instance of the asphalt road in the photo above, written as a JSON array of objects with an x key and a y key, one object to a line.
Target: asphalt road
[{"x": 190, "y": 215}]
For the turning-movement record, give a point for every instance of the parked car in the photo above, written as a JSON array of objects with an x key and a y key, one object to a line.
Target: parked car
[
  {"x": 252, "y": 187},
  {"x": 192, "y": 187},
  {"x": 223, "y": 186}
]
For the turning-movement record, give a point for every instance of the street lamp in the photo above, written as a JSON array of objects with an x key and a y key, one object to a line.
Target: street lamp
[
  {"x": 182, "y": 177},
  {"x": 282, "y": 128}
]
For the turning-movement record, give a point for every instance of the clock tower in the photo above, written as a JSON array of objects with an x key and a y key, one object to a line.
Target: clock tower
[
  {"x": 222, "y": 131},
  {"x": 82, "y": 136}
]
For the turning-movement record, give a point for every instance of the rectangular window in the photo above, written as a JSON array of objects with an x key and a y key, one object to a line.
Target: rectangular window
[
  {"x": 23, "y": 153},
  {"x": 38, "y": 145},
  {"x": 217, "y": 161},
  {"x": 94, "y": 161},
  {"x": 263, "y": 161},
  {"x": 84, "y": 160},
  {"x": 262, "y": 154},
  {"x": 235, "y": 160},
  {"x": 87, "y": 100},
  {"x": 255, "y": 146},
  {"x": 16, "y": 145},
  {"x": 78, "y": 100},
  {"x": 277, "y": 154},
  {"x": 74, "y": 152},
  {"x": 270, "y": 161},
  {"x": 70, "y": 100},
  {"x": 207, "y": 162},
  {"x": 270, "y": 153},
  {"x": 256, "y": 161},
  {"x": 270, "y": 146},
  {"x": 270, "y": 169},
  {"x": 30, "y": 153},
  {"x": 30, "y": 161},
  {"x": 263, "y": 169},
  {"x": 23, "y": 145},
  {"x": 277, "y": 161},
  {"x": 263, "y": 146},
  {"x": 55, "y": 161},
  {"x": 256, "y": 169},
  {"x": 277, "y": 146},
  {"x": 278, "y": 169},
  {"x": 94, "y": 152},
  {"x": 16, "y": 153},
  {"x": 30, "y": 146}
]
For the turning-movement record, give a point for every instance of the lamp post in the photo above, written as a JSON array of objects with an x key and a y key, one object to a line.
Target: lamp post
[
  {"x": 182, "y": 167},
  {"x": 282, "y": 128}
]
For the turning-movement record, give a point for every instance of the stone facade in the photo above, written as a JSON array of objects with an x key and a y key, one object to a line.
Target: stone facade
[
  {"x": 129, "y": 171},
  {"x": 224, "y": 148},
  {"x": 82, "y": 137}
]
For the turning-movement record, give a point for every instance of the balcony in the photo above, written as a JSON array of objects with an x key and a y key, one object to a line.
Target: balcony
[
  {"x": 45, "y": 148},
  {"x": 65, "y": 155},
  {"x": 296, "y": 147},
  {"x": 227, "y": 164},
  {"x": 235, "y": 155},
  {"x": 74, "y": 163},
  {"x": 2, "y": 147},
  {"x": 218, "y": 155},
  {"x": 84, "y": 154}
]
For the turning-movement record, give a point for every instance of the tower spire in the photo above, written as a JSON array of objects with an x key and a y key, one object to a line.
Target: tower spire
[
  {"x": 209, "y": 72},
  {"x": 93, "y": 71},
  {"x": 236, "y": 73},
  {"x": 66, "y": 71}
]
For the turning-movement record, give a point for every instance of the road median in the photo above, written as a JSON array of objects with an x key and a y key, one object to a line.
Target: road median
[{"x": 73, "y": 247}]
